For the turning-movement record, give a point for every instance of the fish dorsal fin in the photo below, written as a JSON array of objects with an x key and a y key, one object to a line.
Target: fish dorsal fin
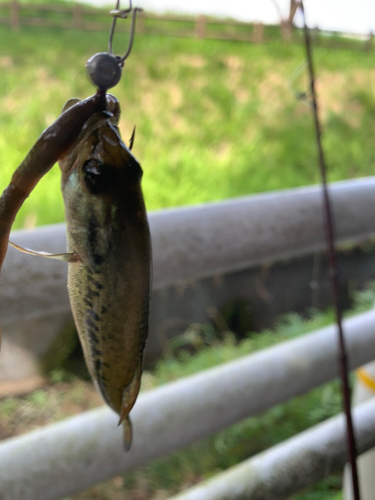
[
  {"x": 66, "y": 257},
  {"x": 131, "y": 141}
]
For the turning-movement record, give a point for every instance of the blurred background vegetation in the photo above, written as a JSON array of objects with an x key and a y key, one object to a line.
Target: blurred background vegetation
[{"x": 215, "y": 119}]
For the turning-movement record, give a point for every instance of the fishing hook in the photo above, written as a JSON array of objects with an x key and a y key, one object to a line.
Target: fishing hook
[{"x": 123, "y": 14}]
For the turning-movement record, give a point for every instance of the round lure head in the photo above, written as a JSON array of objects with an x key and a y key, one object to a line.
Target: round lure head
[{"x": 104, "y": 70}]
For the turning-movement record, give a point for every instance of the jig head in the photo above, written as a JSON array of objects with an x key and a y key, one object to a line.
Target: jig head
[{"x": 104, "y": 69}]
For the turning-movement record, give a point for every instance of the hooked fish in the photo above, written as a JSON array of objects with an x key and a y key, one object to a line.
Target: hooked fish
[
  {"x": 109, "y": 284},
  {"x": 109, "y": 256}
]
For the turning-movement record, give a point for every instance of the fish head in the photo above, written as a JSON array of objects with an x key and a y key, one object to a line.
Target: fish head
[{"x": 101, "y": 186}]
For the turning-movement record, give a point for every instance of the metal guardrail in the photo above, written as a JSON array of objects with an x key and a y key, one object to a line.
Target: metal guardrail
[
  {"x": 194, "y": 242},
  {"x": 56, "y": 461},
  {"x": 296, "y": 463},
  {"x": 188, "y": 243}
]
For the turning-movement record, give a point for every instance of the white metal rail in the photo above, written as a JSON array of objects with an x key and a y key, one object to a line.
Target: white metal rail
[
  {"x": 192, "y": 242},
  {"x": 292, "y": 465},
  {"x": 61, "y": 459}
]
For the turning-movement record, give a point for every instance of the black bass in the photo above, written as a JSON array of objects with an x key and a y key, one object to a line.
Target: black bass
[
  {"x": 109, "y": 248},
  {"x": 109, "y": 277}
]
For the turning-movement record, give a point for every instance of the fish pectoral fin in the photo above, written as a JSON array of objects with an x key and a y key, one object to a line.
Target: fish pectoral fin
[
  {"x": 66, "y": 257},
  {"x": 128, "y": 433}
]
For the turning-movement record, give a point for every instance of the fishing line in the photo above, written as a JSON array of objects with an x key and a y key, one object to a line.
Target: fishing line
[{"x": 334, "y": 273}]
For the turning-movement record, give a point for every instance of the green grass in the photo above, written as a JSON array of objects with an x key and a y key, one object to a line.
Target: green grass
[{"x": 214, "y": 119}]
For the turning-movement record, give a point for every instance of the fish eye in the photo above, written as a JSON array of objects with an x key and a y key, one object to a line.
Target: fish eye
[{"x": 95, "y": 176}]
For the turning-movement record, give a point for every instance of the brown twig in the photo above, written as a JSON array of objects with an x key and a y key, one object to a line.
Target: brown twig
[{"x": 334, "y": 275}]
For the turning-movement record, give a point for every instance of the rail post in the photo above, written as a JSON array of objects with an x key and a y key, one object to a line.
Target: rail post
[
  {"x": 14, "y": 15},
  {"x": 200, "y": 27}
]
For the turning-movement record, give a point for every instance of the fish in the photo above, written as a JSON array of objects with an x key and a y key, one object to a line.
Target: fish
[
  {"x": 109, "y": 284},
  {"x": 109, "y": 256}
]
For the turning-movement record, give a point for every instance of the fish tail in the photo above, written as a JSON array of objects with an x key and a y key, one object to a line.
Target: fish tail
[
  {"x": 130, "y": 394},
  {"x": 128, "y": 433},
  {"x": 128, "y": 399}
]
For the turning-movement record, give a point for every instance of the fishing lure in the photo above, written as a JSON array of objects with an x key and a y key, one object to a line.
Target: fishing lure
[
  {"x": 109, "y": 246},
  {"x": 52, "y": 144}
]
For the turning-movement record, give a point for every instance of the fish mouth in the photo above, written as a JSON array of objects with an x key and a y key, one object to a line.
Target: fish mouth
[{"x": 93, "y": 123}]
